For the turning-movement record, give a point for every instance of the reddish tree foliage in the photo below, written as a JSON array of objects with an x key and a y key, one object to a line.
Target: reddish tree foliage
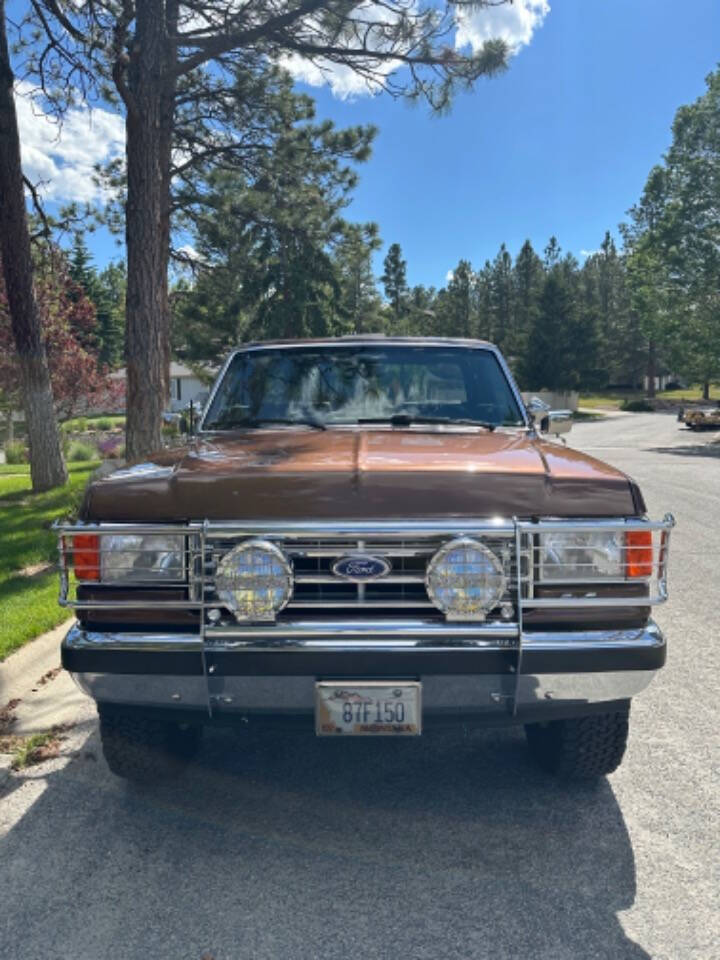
[{"x": 69, "y": 321}]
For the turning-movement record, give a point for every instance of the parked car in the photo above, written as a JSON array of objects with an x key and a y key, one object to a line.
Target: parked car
[
  {"x": 367, "y": 536},
  {"x": 700, "y": 418}
]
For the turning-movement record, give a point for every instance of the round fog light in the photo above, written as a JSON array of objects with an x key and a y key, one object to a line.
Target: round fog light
[
  {"x": 465, "y": 579},
  {"x": 254, "y": 580}
]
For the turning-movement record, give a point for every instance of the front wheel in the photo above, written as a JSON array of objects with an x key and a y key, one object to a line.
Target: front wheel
[
  {"x": 581, "y": 748},
  {"x": 143, "y": 748}
]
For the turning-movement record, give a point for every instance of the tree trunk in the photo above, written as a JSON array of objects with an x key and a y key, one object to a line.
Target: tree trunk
[
  {"x": 47, "y": 469},
  {"x": 149, "y": 149},
  {"x": 651, "y": 369},
  {"x": 10, "y": 430},
  {"x": 706, "y": 389}
]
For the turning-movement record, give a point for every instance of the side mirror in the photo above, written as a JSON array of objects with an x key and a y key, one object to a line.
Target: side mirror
[
  {"x": 557, "y": 422},
  {"x": 537, "y": 408},
  {"x": 554, "y": 422}
]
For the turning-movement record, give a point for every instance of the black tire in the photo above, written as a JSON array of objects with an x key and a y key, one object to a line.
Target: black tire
[
  {"x": 143, "y": 748},
  {"x": 581, "y": 748}
]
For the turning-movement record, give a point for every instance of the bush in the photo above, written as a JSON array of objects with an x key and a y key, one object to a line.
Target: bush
[
  {"x": 637, "y": 406},
  {"x": 103, "y": 423},
  {"x": 111, "y": 448},
  {"x": 81, "y": 452},
  {"x": 16, "y": 453},
  {"x": 171, "y": 429}
]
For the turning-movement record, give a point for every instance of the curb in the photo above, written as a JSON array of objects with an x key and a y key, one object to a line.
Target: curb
[
  {"x": 24, "y": 667},
  {"x": 5, "y": 771}
]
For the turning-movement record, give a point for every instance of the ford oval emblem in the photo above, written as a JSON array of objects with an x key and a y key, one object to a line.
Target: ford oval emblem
[{"x": 360, "y": 567}]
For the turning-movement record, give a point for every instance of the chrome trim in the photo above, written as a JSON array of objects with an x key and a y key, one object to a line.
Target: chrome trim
[
  {"x": 445, "y": 693},
  {"x": 339, "y": 632},
  {"x": 390, "y": 529},
  {"x": 340, "y": 636},
  {"x": 519, "y": 607},
  {"x": 339, "y": 578}
]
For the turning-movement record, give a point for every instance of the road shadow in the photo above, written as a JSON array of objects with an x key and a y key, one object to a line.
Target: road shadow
[
  {"x": 711, "y": 449},
  {"x": 275, "y": 845}
]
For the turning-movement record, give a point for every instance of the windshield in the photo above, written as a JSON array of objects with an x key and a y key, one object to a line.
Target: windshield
[{"x": 328, "y": 385}]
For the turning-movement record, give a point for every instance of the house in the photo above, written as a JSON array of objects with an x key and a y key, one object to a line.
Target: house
[{"x": 185, "y": 384}]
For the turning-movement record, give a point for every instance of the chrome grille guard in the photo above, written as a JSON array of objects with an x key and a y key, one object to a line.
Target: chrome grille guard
[
  {"x": 518, "y": 543},
  {"x": 520, "y": 547}
]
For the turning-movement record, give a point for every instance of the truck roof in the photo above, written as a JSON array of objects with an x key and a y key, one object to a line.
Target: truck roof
[{"x": 363, "y": 338}]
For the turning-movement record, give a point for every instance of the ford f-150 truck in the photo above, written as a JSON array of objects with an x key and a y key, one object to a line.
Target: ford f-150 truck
[{"x": 366, "y": 536}]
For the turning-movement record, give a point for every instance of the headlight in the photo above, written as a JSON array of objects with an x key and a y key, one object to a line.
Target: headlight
[
  {"x": 465, "y": 580},
  {"x": 579, "y": 556},
  {"x": 254, "y": 580},
  {"x": 139, "y": 559}
]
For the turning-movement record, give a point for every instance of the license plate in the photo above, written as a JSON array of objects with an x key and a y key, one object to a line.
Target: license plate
[{"x": 370, "y": 709}]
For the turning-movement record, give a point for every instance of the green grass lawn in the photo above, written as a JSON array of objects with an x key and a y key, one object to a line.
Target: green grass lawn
[
  {"x": 614, "y": 399},
  {"x": 28, "y": 604},
  {"x": 80, "y": 424}
]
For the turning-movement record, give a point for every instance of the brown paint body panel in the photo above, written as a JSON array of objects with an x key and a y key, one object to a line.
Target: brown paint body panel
[{"x": 363, "y": 474}]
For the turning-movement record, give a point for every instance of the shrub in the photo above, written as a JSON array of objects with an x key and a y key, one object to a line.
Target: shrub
[
  {"x": 171, "y": 429},
  {"x": 103, "y": 423},
  {"x": 111, "y": 448},
  {"x": 637, "y": 406},
  {"x": 80, "y": 452},
  {"x": 16, "y": 453}
]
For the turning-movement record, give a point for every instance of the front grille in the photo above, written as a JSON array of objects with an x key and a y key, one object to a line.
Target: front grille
[
  {"x": 320, "y": 596},
  {"x": 318, "y": 589}
]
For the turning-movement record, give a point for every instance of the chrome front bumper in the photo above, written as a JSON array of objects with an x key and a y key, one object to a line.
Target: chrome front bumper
[{"x": 463, "y": 669}]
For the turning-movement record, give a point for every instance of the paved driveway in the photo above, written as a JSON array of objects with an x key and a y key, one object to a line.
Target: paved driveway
[{"x": 447, "y": 847}]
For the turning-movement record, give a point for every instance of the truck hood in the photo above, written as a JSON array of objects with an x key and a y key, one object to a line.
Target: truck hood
[{"x": 355, "y": 474}]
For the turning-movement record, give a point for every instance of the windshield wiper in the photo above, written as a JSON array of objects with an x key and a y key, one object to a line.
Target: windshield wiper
[
  {"x": 407, "y": 419},
  {"x": 266, "y": 421}
]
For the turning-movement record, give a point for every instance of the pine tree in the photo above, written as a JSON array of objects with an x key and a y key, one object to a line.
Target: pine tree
[
  {"x": 112, "y": 283},
  {"x": 501, "y": 301},
  {"x": 550, "y": 363},
  {"x": 528, "y": 276},
  {"x": 692, "y": 258},
  {"x": 455, "y": 305},
  {"x": 394, "y": 281},
  {"x": 359, "y": 301},
  {"x": 270, "y": 240}
]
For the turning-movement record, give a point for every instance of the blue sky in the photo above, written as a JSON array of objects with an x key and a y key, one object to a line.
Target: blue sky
[{"x": 561, "y": 143}]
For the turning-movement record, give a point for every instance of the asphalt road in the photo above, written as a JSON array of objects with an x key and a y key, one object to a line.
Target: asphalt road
[{"x": 446, "y": 847}]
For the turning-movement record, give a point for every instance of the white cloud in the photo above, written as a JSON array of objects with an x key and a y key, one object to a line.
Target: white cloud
[
  {"x": 515, "y": 23},
  {"x": 449, "y": 276},
  {"x": 588, "y": 253},
  {"x": 64, "y": 156},
  {"x": 344, "y": 82},
  {"x": 190, "y": 253}
]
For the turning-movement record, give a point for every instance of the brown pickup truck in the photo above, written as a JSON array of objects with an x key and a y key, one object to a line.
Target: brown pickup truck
[{"x": 366, "y": 536}]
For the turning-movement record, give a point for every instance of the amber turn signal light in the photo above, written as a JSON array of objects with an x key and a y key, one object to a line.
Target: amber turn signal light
[
  {"x": 86, "y": 556},
  {"x": 639, "y": 553}
]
